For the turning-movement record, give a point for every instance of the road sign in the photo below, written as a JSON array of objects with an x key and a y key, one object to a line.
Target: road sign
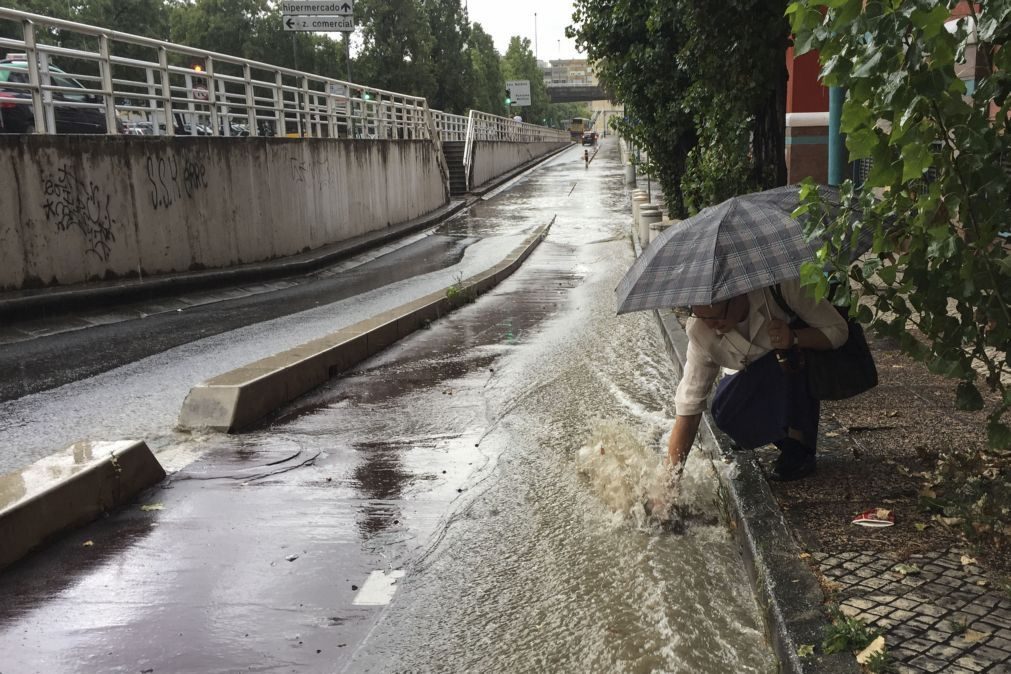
[
  {"x": 306, "y": 7},
  {"x": 322, "y": 24},
  {"x": 518, "y": 91}
]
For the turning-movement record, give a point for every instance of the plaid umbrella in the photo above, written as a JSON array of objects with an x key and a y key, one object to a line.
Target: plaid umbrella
[{"x": 744, "y": 243}]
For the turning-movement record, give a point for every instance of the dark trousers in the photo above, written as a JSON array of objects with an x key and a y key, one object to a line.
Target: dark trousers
[{"x": 757, "y": 405}]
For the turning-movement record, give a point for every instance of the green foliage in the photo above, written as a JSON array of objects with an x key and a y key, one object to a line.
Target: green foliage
[
  {"x": 704, "y": 92},
  {"x": 939, "y": 277},
  {"x": 519, "y": 63},
  {"x": 451, "y": 62},
  {"x": 847, "y": 634},
  {"x": 488, "y": 82},
  {"x": 397, "y": 47}
]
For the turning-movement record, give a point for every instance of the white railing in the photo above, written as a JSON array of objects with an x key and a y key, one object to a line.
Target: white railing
[
  {"x": 120, "y": 83},
  {"x": 451, "y": 127},
  {"x": 493, "y": 127}
]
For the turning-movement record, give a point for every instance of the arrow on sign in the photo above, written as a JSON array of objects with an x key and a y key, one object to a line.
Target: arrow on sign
[
  {"x": 345, "y": 7},
  {"x": 290, "y": 23}
]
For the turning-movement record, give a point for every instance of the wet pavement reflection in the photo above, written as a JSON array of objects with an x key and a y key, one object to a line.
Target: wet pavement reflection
[{"x": 449, "y": 458}]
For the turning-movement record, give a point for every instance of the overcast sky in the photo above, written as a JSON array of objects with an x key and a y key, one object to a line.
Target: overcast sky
[{"x": 504, "y": 18}]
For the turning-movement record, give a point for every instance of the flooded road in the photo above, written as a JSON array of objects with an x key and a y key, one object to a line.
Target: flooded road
[{"x": 427, "y": 512}]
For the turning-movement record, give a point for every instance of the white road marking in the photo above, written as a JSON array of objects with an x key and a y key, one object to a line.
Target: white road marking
[{"x": 378, "y": 589}]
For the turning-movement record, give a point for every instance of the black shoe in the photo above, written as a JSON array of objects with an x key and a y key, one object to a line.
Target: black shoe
[{"x": 795, "y": 462}]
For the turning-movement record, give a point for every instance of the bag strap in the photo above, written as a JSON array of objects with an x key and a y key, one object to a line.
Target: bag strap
[{"x": 777, "y": 294}]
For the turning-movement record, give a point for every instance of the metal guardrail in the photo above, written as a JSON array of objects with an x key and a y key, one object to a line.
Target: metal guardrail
[
  {"x": 484, "y": 126},
  {"x": 123, "y": 83}
]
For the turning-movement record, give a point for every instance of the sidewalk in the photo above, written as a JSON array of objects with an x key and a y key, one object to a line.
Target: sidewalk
[{"x": 939, "y": 608}]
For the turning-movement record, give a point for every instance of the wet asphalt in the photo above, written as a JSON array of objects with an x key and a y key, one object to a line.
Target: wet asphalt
[{"x": 425, "y": 512}]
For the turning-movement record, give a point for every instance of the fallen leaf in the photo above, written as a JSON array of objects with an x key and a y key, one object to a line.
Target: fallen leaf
[
  {"x": 831, "y": 434},
  {"x": 152, "y": 506},
  {"x": 919, "y": 526},
  {"x": 972, "y": 636},
  {"x": 804, "y": 650},
  {"x": 87, "y": 544},
  {"x": 805, "y": 555},
  {"x": 950, "y": 521},
  {"x": 968, "y": 561},
  {"x": 291, "y": 558},
  {"x": 906, "y": 569},
  {"x": 875, "y": 647}
]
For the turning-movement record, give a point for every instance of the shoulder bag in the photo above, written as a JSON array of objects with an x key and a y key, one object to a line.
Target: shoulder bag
[{"x": 836, "y": 374}]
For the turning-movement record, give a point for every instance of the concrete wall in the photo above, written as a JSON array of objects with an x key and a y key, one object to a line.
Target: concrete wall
[
  {"x": 494, "y": 157},
  {"x": 77, "y": 208}
]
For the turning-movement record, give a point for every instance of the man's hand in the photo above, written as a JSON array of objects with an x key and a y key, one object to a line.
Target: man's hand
[
  {"x": 780, "y": 334},
  {"x": 682, "y": 437}
]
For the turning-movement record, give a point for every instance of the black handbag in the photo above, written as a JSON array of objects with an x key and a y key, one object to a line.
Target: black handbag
[{"x": 836, "y": 374}]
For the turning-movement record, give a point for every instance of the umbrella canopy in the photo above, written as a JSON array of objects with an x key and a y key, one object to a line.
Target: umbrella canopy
[{"x": 746, "y": 242}]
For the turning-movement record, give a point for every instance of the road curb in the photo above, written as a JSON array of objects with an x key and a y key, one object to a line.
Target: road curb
[
  {"x": 787, "y": 590},
  {"x": 237, "y": 399},
  {"x": 82, "y": 483}
]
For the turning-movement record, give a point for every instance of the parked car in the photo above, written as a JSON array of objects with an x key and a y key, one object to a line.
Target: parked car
[
  {"x": 16, "y": 115},
  {"x": 589, "y": 138}
]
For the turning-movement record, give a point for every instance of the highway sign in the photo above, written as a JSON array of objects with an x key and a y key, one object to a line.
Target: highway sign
[
  {"x": 307, "y": 7},
  {"x": 332, "y": 24},
  {"x": 518, "y": 91}
]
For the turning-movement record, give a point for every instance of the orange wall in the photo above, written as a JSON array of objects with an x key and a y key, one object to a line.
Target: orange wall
[{"x": 803, "y": 91}]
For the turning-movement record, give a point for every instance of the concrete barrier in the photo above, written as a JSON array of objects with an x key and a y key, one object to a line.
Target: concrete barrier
[
  {"x": 237, "y": 399},
  {"x": 84, "y": 208},
  {"x": 70, "y": 489},
  {"x": 493, "y": 158}
]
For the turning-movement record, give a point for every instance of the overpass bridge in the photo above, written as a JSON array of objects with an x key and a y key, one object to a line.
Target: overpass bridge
[
  {"x": 575, "y": 93},
  {"x": 201, "y": 160}
]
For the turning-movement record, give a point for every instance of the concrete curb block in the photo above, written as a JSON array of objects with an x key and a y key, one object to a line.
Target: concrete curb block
[
  {"x": 791, "y": 599},
  {"x": 237, "y": 399},
  {"x": 101, "y": 485}
]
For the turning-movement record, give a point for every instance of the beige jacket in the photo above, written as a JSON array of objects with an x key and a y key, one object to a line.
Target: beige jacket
[{"x": 709, "y": 351}]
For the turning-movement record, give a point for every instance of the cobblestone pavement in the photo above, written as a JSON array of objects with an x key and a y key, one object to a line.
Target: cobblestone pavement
[{"x": 936, "y": 611}]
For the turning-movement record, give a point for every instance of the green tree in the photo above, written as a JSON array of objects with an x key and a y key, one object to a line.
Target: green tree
[
  {"x": 936, "y": 199},
  {"x": 451, "y": 63},
  {"x": 487, "y": 83},
  {"x": 704, "y": 91},
  {"x": 634, "y": 56},
  {"x": 397, "y": 47}
]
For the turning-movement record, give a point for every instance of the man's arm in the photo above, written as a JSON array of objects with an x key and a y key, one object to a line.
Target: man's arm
[{"x": 682, "y": 437}]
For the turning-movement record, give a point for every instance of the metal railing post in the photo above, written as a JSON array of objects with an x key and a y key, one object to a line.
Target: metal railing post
[
  {"x": 279, "y": 117},
  {"x": 166, "y": 92},
  {"x": 247, "y": 75},
  {"x": 34, "y": 78},
  {"x": 212, "y": 97},
  {"x": 105, "y": 68}
]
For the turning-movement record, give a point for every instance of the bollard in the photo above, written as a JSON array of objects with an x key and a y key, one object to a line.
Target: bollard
[
  {"x": 657, "y": 228},
  {"x": 629, "y": 174},
  {"x": 648, "y": 215},
  {"x": 638, "y": 200}
]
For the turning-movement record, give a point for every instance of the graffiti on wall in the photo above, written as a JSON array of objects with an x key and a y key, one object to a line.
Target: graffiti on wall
[
  {"x": 171, "y": 179},
  {"x": 72, "y": 202}
]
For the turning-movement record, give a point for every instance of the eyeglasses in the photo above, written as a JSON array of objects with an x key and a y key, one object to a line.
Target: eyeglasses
[{"x": 720, "y": 317}]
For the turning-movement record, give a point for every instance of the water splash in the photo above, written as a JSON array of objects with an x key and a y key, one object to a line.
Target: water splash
[{"x": 629, "y": 477}]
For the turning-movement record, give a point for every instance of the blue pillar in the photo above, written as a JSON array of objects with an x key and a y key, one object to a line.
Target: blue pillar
[{"x": 836, "y": 141}]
